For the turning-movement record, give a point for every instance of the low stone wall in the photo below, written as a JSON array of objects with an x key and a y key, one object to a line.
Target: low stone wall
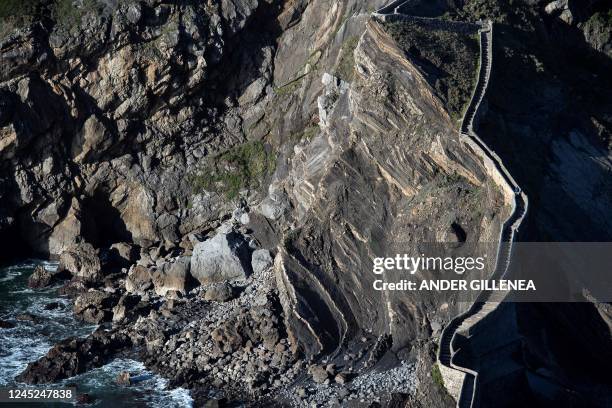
[
  {"x": 493, "y": 172},
  {"x": 431, "y": 23},
  {"x": 389, "y": 8},
  {"x": 453, "y": 380},
  {"x": 454, "y": 377}
]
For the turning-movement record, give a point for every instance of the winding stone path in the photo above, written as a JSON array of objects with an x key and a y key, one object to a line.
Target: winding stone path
[{"x": 462, "y": 381}]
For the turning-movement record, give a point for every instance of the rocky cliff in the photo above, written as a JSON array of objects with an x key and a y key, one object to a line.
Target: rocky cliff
[
  {"x": 108, "y": 107},
  {"x": 382, "y": 171},
  {"x": 154, "y": 145}
]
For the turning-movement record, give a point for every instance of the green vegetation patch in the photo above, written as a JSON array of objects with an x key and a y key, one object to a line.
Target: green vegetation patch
[
  {"x": 436, "y": 375},
  {"x": 68, "y": 15},
  {"x": 310, "y": 66},
  {"x": 346, "y": 65},
  {"x": 15, "y": 14},
  {"x": 18, "y": 8},
  {"x": 448, "y": 59},
  {"x": 242, "y": 167},
  {"x": 289, "y": 88},
  {"x": 307, "y": 134}
]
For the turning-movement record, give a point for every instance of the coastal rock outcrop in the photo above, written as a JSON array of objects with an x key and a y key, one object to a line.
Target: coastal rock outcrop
[
  {"x": 226, "y": 256},
  {"x": 74, "y": 356},
  {"x": 139, "y": 279},
  {"x": 82, "y": 261},
  {"x": 40, "y": 278},
  {"x": 95, "y": 306}
]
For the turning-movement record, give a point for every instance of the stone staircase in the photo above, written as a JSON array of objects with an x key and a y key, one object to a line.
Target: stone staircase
[
  {"x": 462, "y": 381},
  {"x": 487, "y": 302},
  {"x": 486, "y": 36}
]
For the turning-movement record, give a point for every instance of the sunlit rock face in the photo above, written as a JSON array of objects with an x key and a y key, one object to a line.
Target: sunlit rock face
[{"x": 377, "y": 174}]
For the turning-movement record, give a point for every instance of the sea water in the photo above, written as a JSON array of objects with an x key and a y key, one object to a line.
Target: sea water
[{"x": 31, "y": 339}]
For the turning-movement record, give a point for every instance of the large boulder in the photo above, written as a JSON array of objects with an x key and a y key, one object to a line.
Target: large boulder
[
  {"x": 139, "y": 279},
  {"x": 173, "y": 276},
  {"x": 226, "y": 256},
  {"x": 72, "y": 288},
  {"x": 82, "y": 260},
  {"x": 95, "y": 306},
  {"x": 561, "y": 9},
  {"x": 123, "y": 254},
  {"x": 41, "y": 277},
  {"x": 220, "y": 292},
  {"x": 129, "y": 307}
]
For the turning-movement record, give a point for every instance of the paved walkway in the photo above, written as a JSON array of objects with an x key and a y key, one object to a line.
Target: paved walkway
[{"x": 487, "y": 301}]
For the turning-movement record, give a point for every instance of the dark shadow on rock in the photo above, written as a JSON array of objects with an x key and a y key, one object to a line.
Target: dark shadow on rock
[{"x": 109, "y": 226}]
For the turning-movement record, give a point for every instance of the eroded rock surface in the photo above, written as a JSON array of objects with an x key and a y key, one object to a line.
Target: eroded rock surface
[
  {"x": 164, "y": 150},
  {"x": 82, "y": 260}
]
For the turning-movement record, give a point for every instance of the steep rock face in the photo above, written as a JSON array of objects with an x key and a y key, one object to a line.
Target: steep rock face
[
  {"x": 109, "y": 115},
  {"x": 103, "y": 112},
  {"x": 549, "y": 117},
  {"x": 377, "y": 176}
]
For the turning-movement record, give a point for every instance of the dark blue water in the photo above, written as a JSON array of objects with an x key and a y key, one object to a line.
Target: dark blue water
[{"x": 30, "y": 340}]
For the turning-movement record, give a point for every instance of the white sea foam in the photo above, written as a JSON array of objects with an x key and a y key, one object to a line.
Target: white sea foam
[
  {"x": 11, "y": 274},
  {"x": 30, "y": 340},
  {"x": 152, "y": 390},
  {"x": 17, "y": 349}
]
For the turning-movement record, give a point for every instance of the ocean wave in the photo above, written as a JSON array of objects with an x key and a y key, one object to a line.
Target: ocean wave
[
  {"x": 11, "y": 274},
  {"x": 17, "y": 348},
  {"x": 31, "y": 339},
  {"x": 30, "y": 264},
  {"x": 151, "y": 389},
  {"x": 28, "y": 290}
]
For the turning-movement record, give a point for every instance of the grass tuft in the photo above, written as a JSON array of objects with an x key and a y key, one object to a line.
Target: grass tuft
[
  {"x": 436, "y": 375},
  {"x": 346, "y": 65},
  {"x": 242, "y": 167}
]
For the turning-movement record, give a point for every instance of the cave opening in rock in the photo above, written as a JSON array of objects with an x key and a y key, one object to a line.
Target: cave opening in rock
[{"x": 109, "y": 226}]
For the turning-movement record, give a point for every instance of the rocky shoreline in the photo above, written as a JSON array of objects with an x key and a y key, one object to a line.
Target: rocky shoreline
[
  {"x": 216, "y": 177},
  {"x": 222, "y": 337}
]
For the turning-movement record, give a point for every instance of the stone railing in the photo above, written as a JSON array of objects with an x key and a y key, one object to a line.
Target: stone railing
[
  {"x": 431, "y": 23},
  {"x": 389, "y": 8},
  {"x": 487, "y": 302},
  {"x": 462, "y": 382}
]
